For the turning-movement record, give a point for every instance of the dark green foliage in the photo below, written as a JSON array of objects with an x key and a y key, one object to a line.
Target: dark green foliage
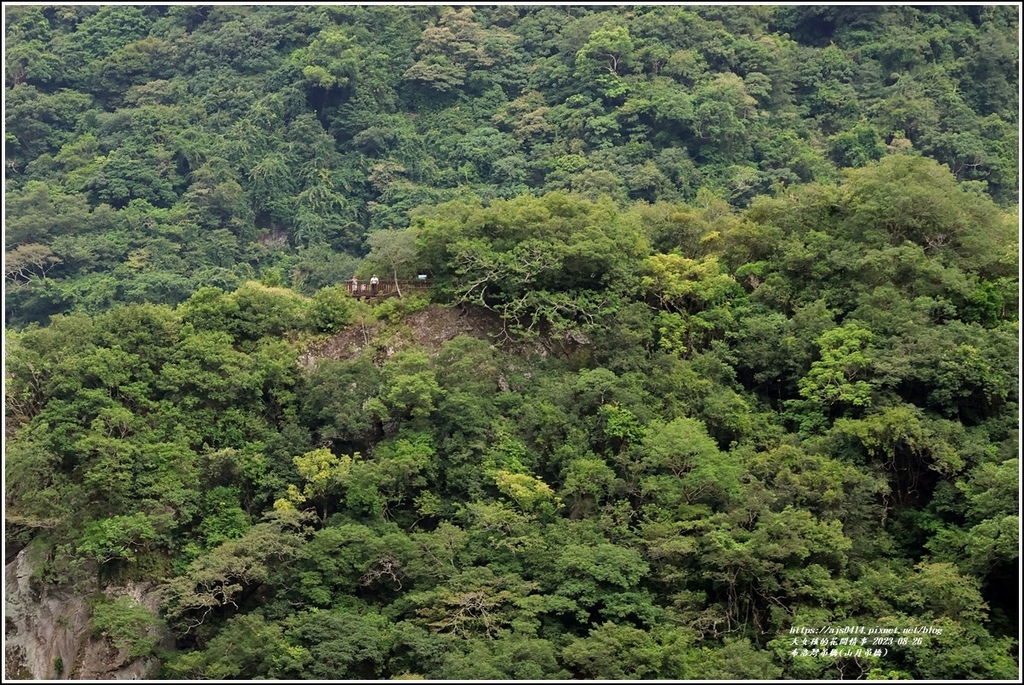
[
  {"x": 720, "y": 340},
  {"x": 302, "y": 129}
]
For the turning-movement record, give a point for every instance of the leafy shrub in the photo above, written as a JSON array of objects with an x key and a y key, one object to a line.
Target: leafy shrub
[
  {"x": 331, "y": 309},
  {"x": 126, "y": 624}
]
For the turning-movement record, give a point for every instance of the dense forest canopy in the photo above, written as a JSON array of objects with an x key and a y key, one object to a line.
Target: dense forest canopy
[
  {"x": 153, "y": 150},
  {"x": 731, "y": 347}
]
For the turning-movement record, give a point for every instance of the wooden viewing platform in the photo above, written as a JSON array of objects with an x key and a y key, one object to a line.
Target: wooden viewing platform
[{"x": 385, "y": 288}]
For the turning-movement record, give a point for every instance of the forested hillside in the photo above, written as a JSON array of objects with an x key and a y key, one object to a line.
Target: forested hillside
[{"x": 720, "y": 344}]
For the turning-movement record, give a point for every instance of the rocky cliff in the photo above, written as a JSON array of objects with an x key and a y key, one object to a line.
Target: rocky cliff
[{"x": 49, "y": 635}]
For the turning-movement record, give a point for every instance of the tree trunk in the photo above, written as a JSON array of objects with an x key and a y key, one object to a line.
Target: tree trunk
[{"x": 394, "y": 272}]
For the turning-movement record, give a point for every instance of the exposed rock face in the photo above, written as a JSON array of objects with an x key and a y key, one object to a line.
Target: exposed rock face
[
  {"x": 429, "y": 328},
  {"x": 48, "y": 635}
]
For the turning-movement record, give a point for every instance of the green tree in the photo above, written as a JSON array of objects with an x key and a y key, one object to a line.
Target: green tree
[
  {"x": 218, "y": 578},
  {"x": 394, "y": 251},
  {"x": 838, "y": 377},
  {"x": 605, "y": 58},
  {"x": 324, "y": 476},
  {"x": 331, "y": 309},
  {"x": 247, "y": 647},
  {"x": 128, "y": 625},
  {"x": 614, "y": 651},
  {"x": 342, "y": 643},
  {"x": 119, "y": 538}
]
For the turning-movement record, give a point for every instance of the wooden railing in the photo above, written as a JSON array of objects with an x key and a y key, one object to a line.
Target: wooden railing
[{"x": 385, "y": 288}]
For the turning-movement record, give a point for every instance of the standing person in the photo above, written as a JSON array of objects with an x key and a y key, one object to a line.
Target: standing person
[
  {"x": 373, "y": 284},
  {"x": 355, "y": 286}
]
